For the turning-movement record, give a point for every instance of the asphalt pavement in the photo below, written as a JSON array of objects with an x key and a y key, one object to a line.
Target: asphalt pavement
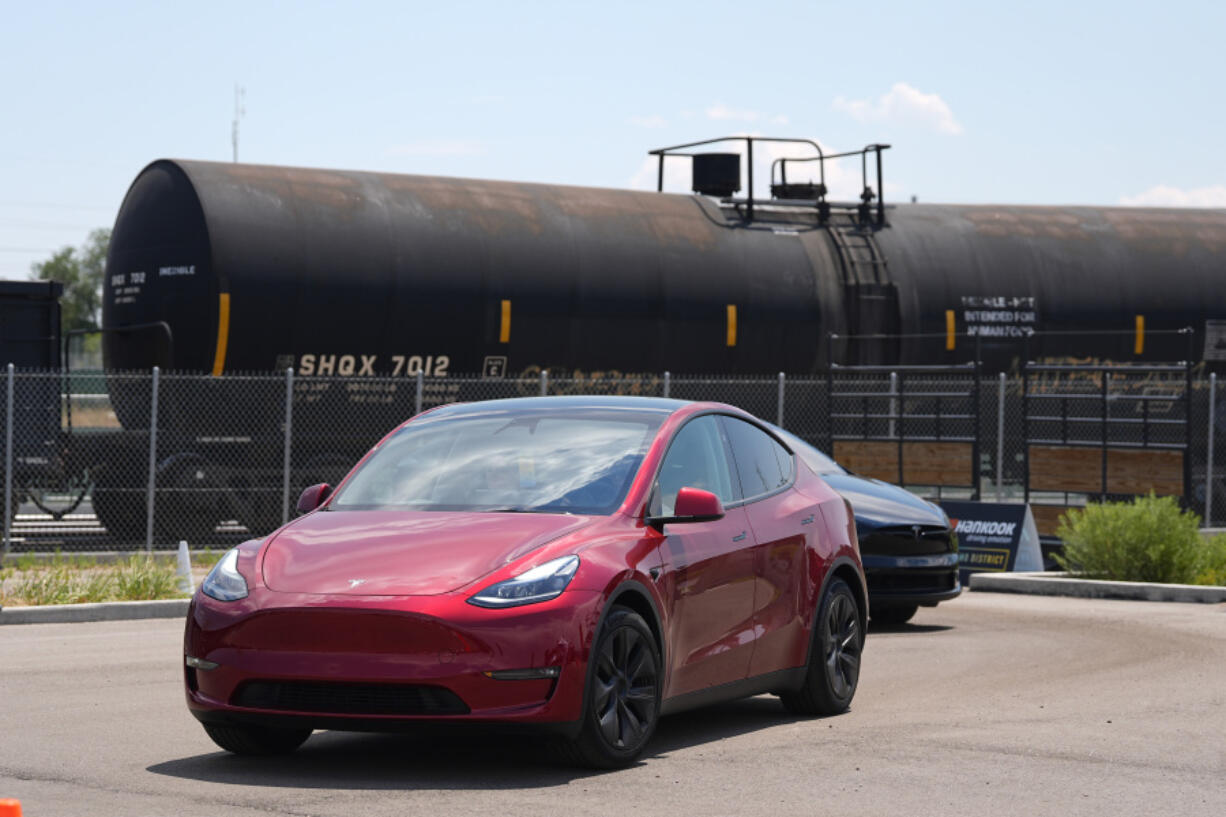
[{"x": 992, "y": 704}]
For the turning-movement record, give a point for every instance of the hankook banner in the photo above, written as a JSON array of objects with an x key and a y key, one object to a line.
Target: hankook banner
[{"x": 994, "y": 537}]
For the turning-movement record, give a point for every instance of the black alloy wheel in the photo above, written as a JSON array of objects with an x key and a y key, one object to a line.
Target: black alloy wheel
[
  {"x": 623, "y": 696},
  {"x": 834, "y": 656}
]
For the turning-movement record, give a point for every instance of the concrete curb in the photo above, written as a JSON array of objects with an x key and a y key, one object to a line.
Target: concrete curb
[
  {"x": 1059, "y": 584},
  {"x": 106, "y": 611}
]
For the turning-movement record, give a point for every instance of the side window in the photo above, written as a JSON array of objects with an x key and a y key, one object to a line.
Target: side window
[
  {"x": 763, "y": 464},
  {"x": 695, "y": 459}
]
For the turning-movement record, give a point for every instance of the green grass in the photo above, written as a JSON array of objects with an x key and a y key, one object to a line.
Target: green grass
[
  {"x": 81, "y": 580},
  {"x": 1149, "y": 539}
]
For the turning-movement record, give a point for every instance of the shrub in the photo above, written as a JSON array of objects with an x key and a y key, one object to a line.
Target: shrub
[
  {"x": 1213, "y": 563},
  {"x": 1149, "y": 539}
]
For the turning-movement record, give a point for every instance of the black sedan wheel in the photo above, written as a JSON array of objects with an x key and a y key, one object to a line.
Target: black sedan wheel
[
  {"x": 253, "y": 740},
  {"x": 834, "y": 657},
  {"x": 623, "y": 695},
  {"x": 892, "y": 615}
]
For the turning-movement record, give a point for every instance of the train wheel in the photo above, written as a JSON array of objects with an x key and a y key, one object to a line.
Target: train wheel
[
  {"x": 190, "y": 502},
  {"x": 122, "y": 512}
]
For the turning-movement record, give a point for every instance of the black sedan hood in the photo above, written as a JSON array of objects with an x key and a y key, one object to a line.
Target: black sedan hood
[{"x": 877, "y": 504}]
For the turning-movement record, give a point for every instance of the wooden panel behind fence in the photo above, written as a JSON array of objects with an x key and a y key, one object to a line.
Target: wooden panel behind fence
[
  {"x": 1129, "y": 470},
  {"x": 1047, "y": 517},
  {"x": 924, "y": 463}
]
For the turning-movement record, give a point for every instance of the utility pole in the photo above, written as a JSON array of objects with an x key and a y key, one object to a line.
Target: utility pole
[{"x": 239, "y": 111}]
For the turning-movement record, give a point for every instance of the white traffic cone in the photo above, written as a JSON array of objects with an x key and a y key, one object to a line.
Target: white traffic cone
[{"x": 184, "y": 571}]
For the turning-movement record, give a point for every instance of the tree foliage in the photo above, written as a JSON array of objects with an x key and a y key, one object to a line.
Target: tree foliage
[{"x": 80, "y": 270}]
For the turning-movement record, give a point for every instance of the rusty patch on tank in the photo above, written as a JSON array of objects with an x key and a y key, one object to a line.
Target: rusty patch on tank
[
  {"x": 333, "y": 189},
  {"x": 497, "y": 208},
  {"x": 1035, "y": 222}
]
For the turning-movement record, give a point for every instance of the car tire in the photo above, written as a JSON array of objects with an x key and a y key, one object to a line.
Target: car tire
[
  {"x": 834, "y": 656},
  {"x": 255, "y": 740},
  {"x": 892, "y": 615},
  {"x": 622, "y": 698}
]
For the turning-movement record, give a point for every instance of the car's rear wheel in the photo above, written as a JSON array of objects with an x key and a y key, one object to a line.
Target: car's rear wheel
[
  {"x": 892, "y": 615},
  {"x": 256, "y": 740},
  {"x": 834, "y": 657},
  {"x": 623, "y": 694}
]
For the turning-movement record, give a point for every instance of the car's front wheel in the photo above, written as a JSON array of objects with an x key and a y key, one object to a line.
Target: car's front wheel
[
  {"x": 834, "y": 657},
  {"x": 255, "y": 740},
  {"x": 623, "y": 694}
]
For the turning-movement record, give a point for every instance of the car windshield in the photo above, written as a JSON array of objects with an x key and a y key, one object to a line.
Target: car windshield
[
  {"x": 575, "y": 461},
  {"x": 813, "y": 458}
]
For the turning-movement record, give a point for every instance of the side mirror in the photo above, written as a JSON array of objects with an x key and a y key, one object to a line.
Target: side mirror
[
  {"x": 313, "y": 497},
  {"x": 692, "y": 505}
]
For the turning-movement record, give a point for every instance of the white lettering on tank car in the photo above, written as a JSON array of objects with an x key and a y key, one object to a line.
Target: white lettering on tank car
[
  {"x": 368, "y": 365},
  {"x": 166, "y": 272}
]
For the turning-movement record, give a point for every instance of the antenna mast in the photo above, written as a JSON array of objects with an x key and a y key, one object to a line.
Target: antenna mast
[{"x": 240, "y": 110}]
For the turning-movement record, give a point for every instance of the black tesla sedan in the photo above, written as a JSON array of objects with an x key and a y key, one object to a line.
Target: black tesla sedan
[{"x": 909, "y": 551}]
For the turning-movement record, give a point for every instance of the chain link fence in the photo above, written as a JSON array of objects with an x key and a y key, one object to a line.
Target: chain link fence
[{"x": 119, "y": 461}]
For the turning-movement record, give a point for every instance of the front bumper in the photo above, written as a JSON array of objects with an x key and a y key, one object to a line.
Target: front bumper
[
  {"x": 925, "y": 580},
  {"x": 377, "y": 663}
]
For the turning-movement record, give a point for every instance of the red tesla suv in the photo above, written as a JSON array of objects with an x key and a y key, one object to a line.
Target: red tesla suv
[{"x": 576, "y": 564}]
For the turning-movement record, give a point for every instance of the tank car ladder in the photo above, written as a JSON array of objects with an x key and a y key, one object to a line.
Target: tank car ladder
[{"x": 870, "y": 298}]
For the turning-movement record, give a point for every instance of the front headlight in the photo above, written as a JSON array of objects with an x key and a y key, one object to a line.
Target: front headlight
[
  {"x": 224, "y": 582},
  {"x": 541, "y": 583}
]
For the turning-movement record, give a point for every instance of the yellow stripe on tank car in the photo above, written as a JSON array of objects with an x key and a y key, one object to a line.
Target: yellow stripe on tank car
[
  {"x": 1139, "y": 346},
  {"x": 223, "y": 332},
  {"x": 950, "y": 326},
  {"x": 731, "y": 334},
  {"x": 504, "y": 331}
]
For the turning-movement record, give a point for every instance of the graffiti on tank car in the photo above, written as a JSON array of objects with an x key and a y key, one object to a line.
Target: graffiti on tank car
[
  {"x": 577, "y": 381},
  {"x": 325, "y": 365}
]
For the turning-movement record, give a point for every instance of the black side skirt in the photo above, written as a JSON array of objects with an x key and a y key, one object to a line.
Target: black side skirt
[{"x": 784, "y": 680}]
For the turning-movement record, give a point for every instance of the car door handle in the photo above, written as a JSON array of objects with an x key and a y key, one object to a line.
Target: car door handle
[
  {"x": 807, "y": 519},
  {"x": 739, "y": 536}
]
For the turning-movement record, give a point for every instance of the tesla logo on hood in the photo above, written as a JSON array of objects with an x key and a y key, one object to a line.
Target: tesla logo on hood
[{"x": 355, "y": 582}]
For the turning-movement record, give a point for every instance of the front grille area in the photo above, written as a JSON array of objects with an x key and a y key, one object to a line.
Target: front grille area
[
  {"x": 915, "y": 580},
  {"x": 903, "y": 540},
  {"x": 349, "y": 699}
]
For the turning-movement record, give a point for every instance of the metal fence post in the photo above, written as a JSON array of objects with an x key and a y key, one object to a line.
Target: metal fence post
[
  {"x": 779, "y": 413},
  {"x": 153, "y": 461},
  {"x": 668, "y": 381},
  {"x": 544, "y": 382},
  {"x": 421, "y": 389},
  {"x": 1000, "y": 435},
  {"x": 289, "y": 441},
  {"x": 8, "y": 463},
  {"x": 1208, "y": 451},
  {"x": 893, "y": 402}
]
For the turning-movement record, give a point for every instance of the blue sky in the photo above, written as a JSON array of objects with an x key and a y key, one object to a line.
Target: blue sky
[{"x": 1037, "y": 103}]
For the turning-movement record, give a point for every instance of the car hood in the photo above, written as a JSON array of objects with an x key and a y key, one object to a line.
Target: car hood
[
  {"x": 395, "y": 553},
  {"x": 876, "y": 503}
]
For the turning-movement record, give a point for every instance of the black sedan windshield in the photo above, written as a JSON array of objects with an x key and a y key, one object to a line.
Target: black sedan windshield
[{"x": 554, "y": 462}]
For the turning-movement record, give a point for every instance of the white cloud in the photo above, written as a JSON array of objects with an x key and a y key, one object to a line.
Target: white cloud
[
  {"x": 652, "y": 121},
  {"x": 1164, "y": 195},
  {"x": 903, "y": 104},
  {"x": 439, "y": 147}
]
